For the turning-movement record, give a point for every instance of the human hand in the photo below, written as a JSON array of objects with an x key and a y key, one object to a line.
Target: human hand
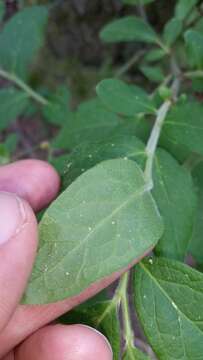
[{"x": 37, "y": 183}]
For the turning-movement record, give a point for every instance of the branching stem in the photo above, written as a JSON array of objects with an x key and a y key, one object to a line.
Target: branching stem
[{"x": 22, "y": 85}]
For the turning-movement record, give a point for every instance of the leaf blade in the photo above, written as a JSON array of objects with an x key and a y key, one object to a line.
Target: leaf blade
[{"x": 92, "y": 217}]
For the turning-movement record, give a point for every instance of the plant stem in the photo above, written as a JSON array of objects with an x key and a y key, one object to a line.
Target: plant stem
[
  {"x": 17, "y": 81},
  {"x": 122, "y": 293},
  {"x": 156, "y": 131},
  {"x": 135, "y": 58},
  {"x": 194, "y": 74},
  {"x": 153, "y": 141}
]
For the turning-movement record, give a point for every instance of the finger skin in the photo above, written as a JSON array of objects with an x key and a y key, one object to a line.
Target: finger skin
[
  {"x": 29, "y": 318},
  {"x": 10, "y": 356},
  {"x": 16, "y": 254},
  {"x": 34, "y": 180},
  {"x": 73, "y": 342}
]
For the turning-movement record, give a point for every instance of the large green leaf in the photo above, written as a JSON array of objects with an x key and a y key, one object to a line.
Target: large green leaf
[
  {"x": 184, "y": 125},
  {"x": 196, "y": 242},
  {"x": 121, "y": 98},
  {"x": 129, "y": 28},
  {"x": 169, "y": 301},
  {"x": 92, "y": 122},
  {"x": 57, "y": 111},
  {"x": 194, "y": 43},
  {"x": 88, "y": 155},
  {"x": 101, "y": 223},
  {"x": 184, "y": 7},
  {"x": 12, "y": 104},
  {"x": 173, "y": 192},
  {"x": 21, "y": 38}
]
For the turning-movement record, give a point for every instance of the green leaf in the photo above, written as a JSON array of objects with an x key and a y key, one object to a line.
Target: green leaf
[
  {"x": 154, "y": 55},
  {"x": 58, "y": 111},
  {"x": 129, "y": 28},
  {"x": 2, "y": 9},
  {"x": 169, "y": 301},
  {"x": 101, "y": 315},
  {"x": 172, "y": 31},
  {"x": 134, "y": 354},
  {"x": 4, "y": 155},
  {"x": 59, "y": 162},
  {"x": 183, "y": 8},
  {"x": 153, "y": 73},
  {"x": 101, "y": 223},
  {"x": 195, "y": 246},
  {"x": 87, "y": 155},
  {"x": 194, "y": 43},
  {"x": 137, "y": 2},
  {"x": 121, "y": 98},
  {"x": 92, "y": 122},
  {"x": 184, "y": 125},
  {"x": 12, "y": 103},
  {"x": 174, "y": 191},
  {"x": 21, "y": 38}
]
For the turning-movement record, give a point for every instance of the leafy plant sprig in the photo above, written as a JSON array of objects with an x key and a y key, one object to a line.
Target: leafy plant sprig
[{"x": 132, "y": 180}]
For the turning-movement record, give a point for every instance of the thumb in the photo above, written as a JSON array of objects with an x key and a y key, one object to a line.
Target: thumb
[{"x": 18, "y": 244}]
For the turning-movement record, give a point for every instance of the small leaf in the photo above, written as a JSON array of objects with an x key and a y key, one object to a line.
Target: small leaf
[
  {"x": 121, "y": 98},
  {"x": 169, "y": 301},
  {"x": 57, "y": 111},
  {"x": 92, "y": 122},
  {"x": 87, "y": 155},
  {"x": 129, "y": 28},
  {"x": 184, "y": 125},
  {"x": 12, "y": 103},
  {"x": 153, "y": 73},
  {"x": 154, "y": 55},
  {"x": 183, "y": 8},
  {"x": 101, "y": 223},
  {"x": 21, "y": 38},
  {"x": 174, "y": 191},
  {"x": 172, "y": 31},
  {"x": 194, "y": 43},
  {"x": 195, "y": 246}
]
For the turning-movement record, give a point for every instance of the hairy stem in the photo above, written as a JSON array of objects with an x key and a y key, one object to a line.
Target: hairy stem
[
  {"x": 156, "y": 132},
  {"x": 153, "y": 141},
  {"x": 18, "y": 82}
]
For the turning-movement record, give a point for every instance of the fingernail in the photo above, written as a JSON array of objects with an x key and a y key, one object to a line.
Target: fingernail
[
  {"x": 12, "y": 216},
  {"x": 102, "y": 335}
]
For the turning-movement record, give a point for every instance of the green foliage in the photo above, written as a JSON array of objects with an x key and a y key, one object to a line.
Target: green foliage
[
  {"x": 13, "y": 103},
  {"x": 184, "y": 125},
  {"x": 169, "y": 301},
  {"x": 130, "y": 28},
  {"x": 123, "y": 99},
  {"x": 184, "y": 7},
  {"x": 132, "y": 174},
  {"x": 17, "y": 45},
  {"x": 171, "y": 184},
  {"x": 2, "y": 9},
  {"x": 85, "y": 223},
  {"x": 58, "y": 111}
]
